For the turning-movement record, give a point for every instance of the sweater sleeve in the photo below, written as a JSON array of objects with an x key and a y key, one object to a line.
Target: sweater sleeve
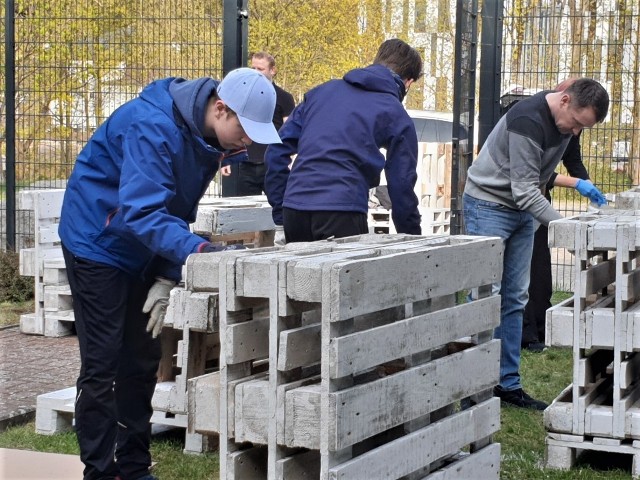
[
  {"x": 400, "y": 171},
  {"x": 278, "y": 158}
]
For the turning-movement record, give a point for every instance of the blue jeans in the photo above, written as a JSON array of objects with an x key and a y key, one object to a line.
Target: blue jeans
[{"x": 515, "y": 227}]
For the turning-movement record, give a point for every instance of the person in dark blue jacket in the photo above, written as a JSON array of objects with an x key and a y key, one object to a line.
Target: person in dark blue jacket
[
  {"x": 337, "y": 133},
  {"x": 125, "y": 234}
]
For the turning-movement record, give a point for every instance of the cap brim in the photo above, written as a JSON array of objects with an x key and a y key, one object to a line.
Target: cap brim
[{"x": 260, "y": 132}]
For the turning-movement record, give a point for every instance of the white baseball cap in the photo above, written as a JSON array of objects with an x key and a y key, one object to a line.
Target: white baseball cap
[{"x": 252, "y": 97}]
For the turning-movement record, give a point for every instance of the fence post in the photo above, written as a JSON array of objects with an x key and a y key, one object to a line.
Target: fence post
[
  {"x": 490, "y": 68},
  {"x": 235, "y": 35},
  {"x": 10, "y": 105},
  {"x": 464, "y": 88}
]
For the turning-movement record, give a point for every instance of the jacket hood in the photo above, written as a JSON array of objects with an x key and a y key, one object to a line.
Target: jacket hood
[
  {"x": 376, "y": 78},
  {"x": 191, "y": 98}
]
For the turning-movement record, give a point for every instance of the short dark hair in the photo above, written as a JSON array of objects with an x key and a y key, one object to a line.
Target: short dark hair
[
  {"x": 586, "y": 92},
  {"x": 265, "y": 56},
  {"x": 401, "y": 58}
]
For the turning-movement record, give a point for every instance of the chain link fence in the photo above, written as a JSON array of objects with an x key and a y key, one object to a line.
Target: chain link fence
[
  {"x": 76, "y": 61},
  {"x": 546, "y": 42}
]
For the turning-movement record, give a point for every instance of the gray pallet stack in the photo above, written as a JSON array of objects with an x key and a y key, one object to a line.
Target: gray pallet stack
[
  {"x": 53, "y": 313},
  {"x": 600, "y": 410},
  {"x": 339, "y": 360}
]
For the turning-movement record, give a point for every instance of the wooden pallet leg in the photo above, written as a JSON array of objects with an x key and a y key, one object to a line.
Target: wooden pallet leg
[
  {"x": 195, "y": 443},
  {"x": 635, "y": 467},
  {"x": 559, "y": 457}
]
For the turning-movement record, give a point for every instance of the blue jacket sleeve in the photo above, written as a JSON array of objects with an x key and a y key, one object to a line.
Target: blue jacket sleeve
[
  {"x": 278, "y": 158},
  {"x": 400, "y": 170},
  {"x": 147, "y": 187}
]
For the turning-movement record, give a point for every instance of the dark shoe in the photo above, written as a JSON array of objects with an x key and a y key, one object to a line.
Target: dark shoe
[
  {"x": 534, "y": 347},
  {"x": 518, "y": 398}
]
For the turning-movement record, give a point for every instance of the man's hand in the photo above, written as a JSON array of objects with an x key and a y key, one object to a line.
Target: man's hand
[
  {"x": 216, "y": 247},
  {"x": 279, "y": 240},
  {"x": 589, "y": 190},
  {"x": 156, "y": 304},
  {"x": 225, "y": 171}
]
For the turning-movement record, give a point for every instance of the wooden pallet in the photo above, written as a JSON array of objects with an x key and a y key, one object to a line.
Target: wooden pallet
[
  {"x": 598, "y": 323},
  {"x": 302, "y": 294},
  {"x": 562, "y": 451}
]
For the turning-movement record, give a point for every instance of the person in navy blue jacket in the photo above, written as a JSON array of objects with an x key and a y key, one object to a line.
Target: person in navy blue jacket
[
  {"x": 337, "y": 133},
  {"x": 125, "y": 234}
]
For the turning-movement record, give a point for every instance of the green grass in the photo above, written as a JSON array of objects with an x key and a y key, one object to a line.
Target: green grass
[
  {"x": 166, "y": 451},
  {"x": 522, "y": 434},
  {"x": 10, "y": 312}
]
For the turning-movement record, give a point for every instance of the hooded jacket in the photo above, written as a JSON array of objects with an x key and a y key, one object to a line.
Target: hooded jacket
[
  {"x": 136, "y": 184},
  {"x": 337, "y": 133}
]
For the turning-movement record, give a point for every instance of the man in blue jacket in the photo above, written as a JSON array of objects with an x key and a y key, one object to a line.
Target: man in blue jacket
[
  {"x": 125, "y": 234},
  {"x": 337, "y": 133}
]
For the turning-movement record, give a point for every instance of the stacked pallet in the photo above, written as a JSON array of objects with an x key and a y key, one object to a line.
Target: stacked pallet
[
  {"x": 234, "y": 220},
  {"x": 434, "y": 221},
  {"x": 338, "y": 359},
  {"x": 307, "y": 363},
  {"x": 600, "y": 410},
  {"x": 53, "y": 314}
]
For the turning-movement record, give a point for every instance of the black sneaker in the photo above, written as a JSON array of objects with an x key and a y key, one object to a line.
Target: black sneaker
[
  {"x": 534, "y": 347},
  {"x": 518, "y": 398}
]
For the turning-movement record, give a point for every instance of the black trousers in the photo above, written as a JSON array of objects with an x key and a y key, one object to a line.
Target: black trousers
[
  {"x": 230, "y": 183},
  {"x": 308, "y": 226},
  {"x": 119, "y": 363},
  {"x": 540, "y": 289},
  {"x": 250, "y": 178}
]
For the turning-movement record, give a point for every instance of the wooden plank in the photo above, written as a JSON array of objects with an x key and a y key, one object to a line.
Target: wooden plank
[
  {"x": 597, "y": 277},
  {"x": 435, "y": 272},
  {"x": 204, "y": 403},
  {"x": 247, "y": 341},
  {"x": 628, "y": 286},
  {"x": 559, "y": 324},
  {"x": 299, "y": 347},
  {"x": 365, "y": 410},
  {"x": 359, "y": 351},
  {"x": 251, "y": 397},
  {"x": 304, "y": 280},
  {"x": 300, "y": 466},
  {"x": 249, "y": 463},
  {"x": 302, "y": 417},
  {"x": 484, "y": 463},
  {"x": 418, "y": 449}
]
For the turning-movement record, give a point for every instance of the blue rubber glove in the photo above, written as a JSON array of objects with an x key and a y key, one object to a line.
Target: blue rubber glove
[{"x": 589, "y": 190}]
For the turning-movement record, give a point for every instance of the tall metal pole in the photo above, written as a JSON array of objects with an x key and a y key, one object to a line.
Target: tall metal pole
[
  {"x": 490, "y": 68},
  {"x": 235, "y": 35},
  {"x": 464, "y": 94},
  {"x": 10, "y": 106}
]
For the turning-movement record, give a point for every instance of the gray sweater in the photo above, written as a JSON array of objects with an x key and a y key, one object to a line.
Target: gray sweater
[{"x": 518, "y": 158}]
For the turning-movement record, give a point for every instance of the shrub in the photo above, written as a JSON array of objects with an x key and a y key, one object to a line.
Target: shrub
[{"x": 13, "y": 286}]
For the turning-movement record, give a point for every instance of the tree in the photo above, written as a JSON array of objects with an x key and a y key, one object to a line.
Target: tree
[{"x": 315, "y": 40}]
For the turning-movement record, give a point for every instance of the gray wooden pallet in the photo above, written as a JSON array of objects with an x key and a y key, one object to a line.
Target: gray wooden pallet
[{"x": 295, "y": 293}]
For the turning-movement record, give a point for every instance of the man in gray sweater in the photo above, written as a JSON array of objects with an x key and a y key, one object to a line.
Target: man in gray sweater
[{"x": 503, "y": 197}]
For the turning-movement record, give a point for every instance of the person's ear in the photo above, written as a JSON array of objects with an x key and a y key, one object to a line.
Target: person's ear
[
  {"x": 407, "y": 83},
  {"x": 219, "y": 108}
]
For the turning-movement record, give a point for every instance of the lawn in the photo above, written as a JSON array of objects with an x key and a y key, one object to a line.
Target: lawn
[
  {"x": 522, "y": 435},
  {"x": 10, "y": 312}
]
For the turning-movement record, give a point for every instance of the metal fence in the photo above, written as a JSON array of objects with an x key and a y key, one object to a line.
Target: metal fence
[
  {"x": 539, "y": 44},
  {"x": 69, "y": 63}
]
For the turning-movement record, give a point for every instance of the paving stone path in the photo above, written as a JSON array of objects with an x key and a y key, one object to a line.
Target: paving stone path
[{"x": 31, "y": 365}]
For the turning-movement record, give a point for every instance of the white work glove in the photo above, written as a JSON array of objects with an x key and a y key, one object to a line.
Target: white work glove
[
  {"x": 156, "y": 304},
  {"x": 279, "y": 240}
]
